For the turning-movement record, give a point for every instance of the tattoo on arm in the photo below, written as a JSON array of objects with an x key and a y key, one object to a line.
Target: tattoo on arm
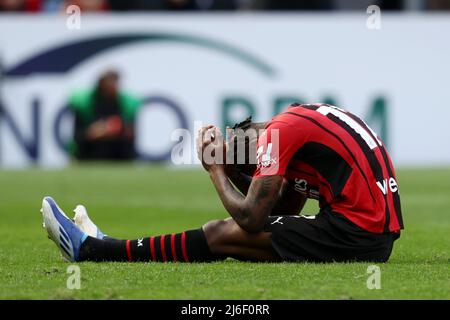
[
  {"x": 249, "y": 212},
  {"x": 265, "y": 186}
]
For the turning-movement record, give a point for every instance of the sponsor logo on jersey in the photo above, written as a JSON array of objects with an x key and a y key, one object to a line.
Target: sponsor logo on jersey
[
  {"x": 300, "y": 185},
  {"x": 265, "y": 159},
  {"x": 388, "y": 184}
]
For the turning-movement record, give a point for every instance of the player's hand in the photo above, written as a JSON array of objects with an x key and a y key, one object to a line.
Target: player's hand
[
  {"x": 230, "y": 167},
  {"x": 211, "y": 147}
]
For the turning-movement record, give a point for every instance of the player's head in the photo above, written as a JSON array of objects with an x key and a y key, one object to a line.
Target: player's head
[
  {"x": 108, "y": 83},
  {"x": 243, "y": 138}
]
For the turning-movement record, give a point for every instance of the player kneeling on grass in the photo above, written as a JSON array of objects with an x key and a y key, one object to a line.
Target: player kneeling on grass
[{"x": 313, "y": 151}]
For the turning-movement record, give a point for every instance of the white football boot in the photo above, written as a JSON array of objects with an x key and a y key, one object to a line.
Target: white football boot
[{"x": 86, "y": 225}]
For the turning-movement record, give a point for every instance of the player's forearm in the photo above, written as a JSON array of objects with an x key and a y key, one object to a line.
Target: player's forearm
[
  {"x": 234, "y": 202},
  {"x": 239, "y": 179}
]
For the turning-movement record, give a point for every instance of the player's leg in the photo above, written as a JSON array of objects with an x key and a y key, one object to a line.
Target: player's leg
[
  {"x": 226, "y": 238},
  {"x": 187, "y": 246},
  {"x": 76, "y": 245},
  {"x": 217, "y": 240}
]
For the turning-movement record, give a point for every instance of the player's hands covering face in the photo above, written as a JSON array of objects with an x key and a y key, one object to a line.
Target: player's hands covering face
[{"x": 211, "y": 147}]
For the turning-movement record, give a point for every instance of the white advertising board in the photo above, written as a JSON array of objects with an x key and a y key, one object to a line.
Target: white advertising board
[{"x": 217, "y": 68}]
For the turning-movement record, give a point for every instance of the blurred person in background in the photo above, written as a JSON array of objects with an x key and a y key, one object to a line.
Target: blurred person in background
[
  {"x": 283, "y": 5},
  {"x": 218, "y": 5},
  {"x": 20, "y": 5},
  {"x": 84, "y": 5},
  {"x": 315, "y": 5},
  {"x": 104, "y": 121},
  {"x": 438, "y": 4},
  {"x": 176, "y": 5},
  {"x": 364, "y": 4},
  {"x": 88, "y": 5}
]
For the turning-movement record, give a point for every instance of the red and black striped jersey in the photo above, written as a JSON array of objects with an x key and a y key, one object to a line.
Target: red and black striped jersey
[{"x": 329, "y": 154}]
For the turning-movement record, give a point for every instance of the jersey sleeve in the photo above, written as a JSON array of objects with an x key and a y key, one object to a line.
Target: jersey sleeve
[{"x": 276, "y": 147}]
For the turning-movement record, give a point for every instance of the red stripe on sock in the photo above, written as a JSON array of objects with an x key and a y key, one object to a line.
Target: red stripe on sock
[
  {"x": 183, "y": 247},
  {"x": 128, "y": 246},
  {"x": 152, "y": 248},
  {"x": 172, "y": 245},
  {"x": 163, "y": 249}
]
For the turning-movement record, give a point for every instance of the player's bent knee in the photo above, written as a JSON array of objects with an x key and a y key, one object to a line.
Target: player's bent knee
[{"x": 215, "y": 233}]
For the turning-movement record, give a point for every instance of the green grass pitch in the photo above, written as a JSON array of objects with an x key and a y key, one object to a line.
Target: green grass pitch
[{"x": 134, "y": 201}]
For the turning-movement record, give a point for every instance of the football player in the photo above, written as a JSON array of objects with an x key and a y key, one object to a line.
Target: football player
[{"x": 315, "y": 151}]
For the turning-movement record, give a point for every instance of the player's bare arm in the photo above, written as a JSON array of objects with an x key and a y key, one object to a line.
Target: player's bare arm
[
  {"x": 289, "y": 202},
  {"x": 249, "y": 211}
]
